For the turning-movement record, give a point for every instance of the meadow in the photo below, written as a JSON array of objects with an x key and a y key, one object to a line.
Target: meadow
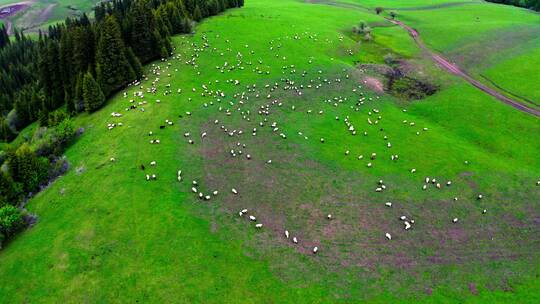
[{"x": 106, "y": 234}]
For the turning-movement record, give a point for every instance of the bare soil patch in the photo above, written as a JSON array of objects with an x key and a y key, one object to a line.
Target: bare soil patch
[{"x": 374, "y": 84}]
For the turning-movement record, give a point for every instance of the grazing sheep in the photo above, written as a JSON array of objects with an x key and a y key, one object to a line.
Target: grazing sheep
[
  {"x": 153, "y": 163},
  {"x": 112, "y": 159},
  {"x": 295, "y": 240},
  {"x": 252, "y": 218},
  {"x": 455, "y": 220},
  {"x": 388, "y": 236},
  {"x": 388, "y": 204},
  {"x": 329, "y": 216},
  {"x": 407, "y": 225},
  {"x": 287, "y": 233},
  {"x": 234, "y": 191},
  {"x": 315, "y": 249},
  {"x": 480, "y": 196},
  {"x": 258, "y": 225}
]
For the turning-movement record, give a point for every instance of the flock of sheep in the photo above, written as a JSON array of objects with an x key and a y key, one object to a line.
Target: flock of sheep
[{"x": 144, "y": 95}]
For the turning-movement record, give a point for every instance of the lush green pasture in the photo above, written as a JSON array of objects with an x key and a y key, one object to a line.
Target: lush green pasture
[
  {"x": 105, "y": 234},
  {"x": 486, "y": 39}
]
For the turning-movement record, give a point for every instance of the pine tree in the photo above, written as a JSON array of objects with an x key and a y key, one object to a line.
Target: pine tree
[
  {"x": 92, "y": 94},
  {"x": 197, "y": 15},
  {"x": 78, "y": 99},
  {"x": 4, "y": 37},
  {"x": 5, "y": 132},
  {"x": 143, "y": 31},
  {"x": 55, "y": 74},
  {"x": 112, "y": 67},
  {"x": 66, "y": 63},
  {"x": 135, "y": 63}
]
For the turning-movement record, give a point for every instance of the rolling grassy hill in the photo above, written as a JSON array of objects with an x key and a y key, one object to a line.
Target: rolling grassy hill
[{"x": 106, "y": 234}]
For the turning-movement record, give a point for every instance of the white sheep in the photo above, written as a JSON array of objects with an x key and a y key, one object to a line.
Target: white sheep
[
  {"x": 234, "y": 191},
  {"x": 407, "y": 225},
  {"x": 315, "y": 249},
  {"x": 295, "y": 240},
  {"x": 287, "y": 233},
  {"x": 388, "y": 236}
]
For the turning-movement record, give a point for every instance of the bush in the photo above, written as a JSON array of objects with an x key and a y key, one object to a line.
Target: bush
[
  {"x": 10, "y": 191},
  {"x": 65, "y": 131},
  {"x": 389, "y": 59},
  {"x": 27, "y": 168},
  {"x": 11, "y": 221},
  {"x": 57, "y": 117}
]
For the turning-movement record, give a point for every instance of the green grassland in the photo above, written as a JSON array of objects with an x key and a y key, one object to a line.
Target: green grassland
[
  {"x": 491, "y": 40},
  {"x": 105, "y": 234}
]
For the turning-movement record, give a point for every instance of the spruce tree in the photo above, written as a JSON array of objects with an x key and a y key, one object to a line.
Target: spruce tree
[
  {"x": 197, "y": 15},
  {"x": 112, "y": 67},
  {"x": 92, "y": 94},
  {"x": 4, "y": 37},
  {"x": 135, "y": 63},
  {"x": 143, "y": 31}
]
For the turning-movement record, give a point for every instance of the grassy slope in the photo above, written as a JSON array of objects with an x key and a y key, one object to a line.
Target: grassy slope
[
  {"x": 493, "y": 40},
  {"x": 107, "y": 234}
]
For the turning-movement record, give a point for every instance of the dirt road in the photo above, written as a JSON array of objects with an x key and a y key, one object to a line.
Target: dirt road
[{"x": 452, "y": 68}]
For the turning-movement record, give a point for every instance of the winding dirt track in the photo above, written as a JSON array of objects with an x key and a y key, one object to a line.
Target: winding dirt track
[{"x": 452, "y": 68}]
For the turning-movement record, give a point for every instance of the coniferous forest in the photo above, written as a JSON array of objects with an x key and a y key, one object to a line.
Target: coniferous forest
[
  {"x": 529, "y": 4},
  {"x": 70, "y": 69}
]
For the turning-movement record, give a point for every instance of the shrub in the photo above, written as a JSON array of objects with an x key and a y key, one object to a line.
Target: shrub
[
  {"x": 65, "y": 131},
  {"x": 389, "y": 59},
  {"x": 11, "y": 220},
  {"x": 27, "y": 168},
  {"x": 57, "y": 117}
]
